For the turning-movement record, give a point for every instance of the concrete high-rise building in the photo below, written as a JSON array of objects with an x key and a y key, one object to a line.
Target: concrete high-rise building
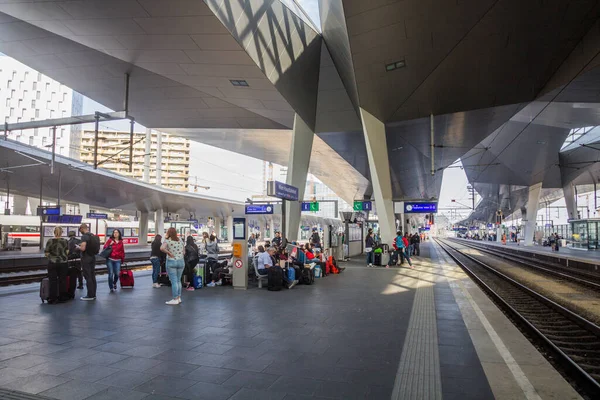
[
  {"x": 27, "y": 95},
  {"x": 113, "y": 155}
]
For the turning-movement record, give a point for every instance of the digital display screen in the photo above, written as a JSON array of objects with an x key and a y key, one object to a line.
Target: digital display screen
[
  {"x": 239, "y": 228},
  {"x": 416, "y": 208},
  {"x": 55, "y": 219}
]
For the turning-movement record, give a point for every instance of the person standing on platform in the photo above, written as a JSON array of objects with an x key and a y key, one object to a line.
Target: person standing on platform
[
  {"x": 277, "y": 240},
  {"x": 504, "y": 239},
  {"x": 115, "y": 259},
  {"x": 89, "y": 247},
  {"x": 156, "y": 257},
  {"x": 252, "y": 242},
  {"x": 56, "y": 252},
  {"x": 191, "y": 258},
  {"x": 173, "y": 247},
  {"x": 212, "y": 254},
  {"x": 369, "y": 248},
  {"x": 75, "y": 257},
  {"x": 417, "y": 245}
]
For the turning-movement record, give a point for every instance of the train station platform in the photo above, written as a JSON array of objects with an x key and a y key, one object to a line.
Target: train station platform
[
  {"x": 368, "y": 333},
  {"x": 585, "y": 259}
]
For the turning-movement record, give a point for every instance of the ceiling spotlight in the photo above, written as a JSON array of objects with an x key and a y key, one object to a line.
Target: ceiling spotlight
[
  {"x": 239, "y": 82},
  {"x": 395, "y": 65}
]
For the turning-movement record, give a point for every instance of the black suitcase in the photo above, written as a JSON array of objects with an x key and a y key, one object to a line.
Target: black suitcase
[
  {"x": 163, "y": 277},
  {"x": 73, "y": 274},
  {"x": 307, "y": 277},
  {"x": 377, "y": 259},
  {"x": 274, "y": 279}
]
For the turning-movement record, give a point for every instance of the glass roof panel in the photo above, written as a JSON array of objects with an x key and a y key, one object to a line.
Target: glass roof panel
[{"x": 307, "y": 10}]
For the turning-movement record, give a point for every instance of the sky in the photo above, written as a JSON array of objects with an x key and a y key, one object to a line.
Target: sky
[{"x": 312, "y": 9}]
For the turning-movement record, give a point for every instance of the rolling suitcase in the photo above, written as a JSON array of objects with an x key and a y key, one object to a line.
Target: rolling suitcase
[
  {"x": 72, "y": 275},
  {"x": 274, "y": 279},
  {"x": 45, "y": 289},
  {"x": 126, "y": 278},
  {"x": 163, "y": 277},
  {"x": 377, "y": 259}
]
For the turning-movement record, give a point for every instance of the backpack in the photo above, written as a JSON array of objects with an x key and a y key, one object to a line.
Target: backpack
[
  {"x": 93, "y": 247},
  {"x": 274, "y": 279}
]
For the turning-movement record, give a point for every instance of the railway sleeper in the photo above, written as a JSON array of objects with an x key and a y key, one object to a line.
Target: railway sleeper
[{"x": 574, "y": 345}]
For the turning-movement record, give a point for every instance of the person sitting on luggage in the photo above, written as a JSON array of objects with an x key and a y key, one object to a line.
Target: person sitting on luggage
[
  {"x": 75, "y": 257},
  {"x": 156, "y": 258},
  {"x": 56, "y": 252},
  {"x": 116, "y": 258},
  {"x": 191, "y": 258},
  {"x": 223, "y": 268}
]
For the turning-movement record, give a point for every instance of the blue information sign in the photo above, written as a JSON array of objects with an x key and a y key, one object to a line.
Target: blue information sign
[
  {"x": 259, "y": 209},
  {"x": 97, "y": 216},
  {"x": 51, "y": 211},
  {"x": 418, "y": 208},
  {"x": 367, "y": 206},
  {"x": 282, "y": 191}
]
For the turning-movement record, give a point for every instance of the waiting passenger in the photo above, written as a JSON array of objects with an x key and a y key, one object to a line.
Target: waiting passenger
[
  {"x": 212, "y": 254},
  {"x": 75, "y": 257},
  {"x": 173, "y": 247},
  {"x": 89, "y": 247},
  {"x": 369, "y": 248},
  {"x": 265, "y": 261},
  {"x": 252, "y": 241},
  {"x": 56, "y": 252},
  {"x": 115, "y": 259},
  {"x": 315, "y": 239},
  {"x": 221, "y": 270},
  {"x": 191, "y": 258},
  {"x": 156, "y": 257},
  {"x": 277, "y": 240},
  {"x": 308, "y": 252}
]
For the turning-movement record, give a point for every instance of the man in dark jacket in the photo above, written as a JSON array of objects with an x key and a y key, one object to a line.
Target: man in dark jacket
[
  {"x": 74, "y": 256},
  {"x": 416, "y": 242}
]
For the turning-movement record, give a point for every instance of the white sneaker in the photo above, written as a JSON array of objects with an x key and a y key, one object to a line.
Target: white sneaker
[
  {"x": 179, "y": 300},
  {"x": 156, "y": 285},
  {"x": 219, "y": 283},
  {"x": 173, "y": 302}
]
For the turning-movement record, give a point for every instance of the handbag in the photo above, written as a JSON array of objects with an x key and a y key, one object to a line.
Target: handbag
[
  {"x": 106, "y": 252},
  {"x": 368, "y": 249}
]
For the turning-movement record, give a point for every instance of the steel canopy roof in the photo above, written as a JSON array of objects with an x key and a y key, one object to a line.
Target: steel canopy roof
[{"x": 497, "y": 76}]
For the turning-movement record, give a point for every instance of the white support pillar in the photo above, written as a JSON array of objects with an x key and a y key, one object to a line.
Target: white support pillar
[
  {"x": 143, "y": 232},
  {"x": 159, "y": 222},
  {"x": 218, "y": 226},
  {"x": 158, "y": 158},
  {"x": 34, "y": 203},
  {"x": 147, "y": 142},
  {"x": 569, "y": 193},
  {"x": 230, "y": 229},
  {"x": 377, "y": 153},
  {"x": 302, "y": 142},
  {"x": 533, "y": 203},
  {"x": 83, "y": 209},
  {"x": 19, "y": 205},
  {"x": 271, "y": 228}
]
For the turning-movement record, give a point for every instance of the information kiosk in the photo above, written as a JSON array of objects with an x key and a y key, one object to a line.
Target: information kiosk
[{"x": 240, "y": 253}]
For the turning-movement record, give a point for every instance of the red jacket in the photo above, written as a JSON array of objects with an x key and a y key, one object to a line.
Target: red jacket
[
  {"x": 309, "y": 255},
  {"x": 118, "y": 251},
  {"x": 405, "y": 240}
]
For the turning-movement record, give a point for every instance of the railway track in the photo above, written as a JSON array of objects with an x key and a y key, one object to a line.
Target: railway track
[
  {"x": 571, "y": 340},
  {"x": 588, "y": 279}
]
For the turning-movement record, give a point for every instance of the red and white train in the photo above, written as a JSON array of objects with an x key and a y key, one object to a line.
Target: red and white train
[{"x": 27, "y": 228}]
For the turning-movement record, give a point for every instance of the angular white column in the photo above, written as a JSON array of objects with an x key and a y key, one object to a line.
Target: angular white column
[
  {"x": 148, "y": 143},
  {"x": 143, "y": 231},
  {"x": 19, "y": 205},
  {"x": 83, "y": 209},
  {"x": 302, "y": 142},
  {"x": 218, "y": 227},
  {"x": 159, "y": 222},
  {"x": 34, "y": 203},
  {"x": 377, "y": 153},
  {"x": 229, "y": 229},
  {"x": 569, "y": 193},
  {"x": 158, "y": 158},
  {"x": 533, "y": 203}
]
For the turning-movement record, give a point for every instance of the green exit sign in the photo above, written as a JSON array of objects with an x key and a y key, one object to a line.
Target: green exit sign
[{"x": 358, "y": 205}]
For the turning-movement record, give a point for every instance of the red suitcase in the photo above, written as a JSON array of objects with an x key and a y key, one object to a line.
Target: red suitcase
[{"x": 126, "y": 278}]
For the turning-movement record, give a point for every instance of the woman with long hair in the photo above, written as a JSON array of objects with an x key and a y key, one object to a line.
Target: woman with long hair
[
  {"x": 191, "y": 258},
  {"x": 56, "y": 252},
  {"x": 116, "y": 258},
  {"x": 156, "y": 257},
  {"x": 174, "y": 249}
]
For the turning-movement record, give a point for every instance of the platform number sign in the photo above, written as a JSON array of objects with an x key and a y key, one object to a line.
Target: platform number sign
[
  {"x": 310, "y": 206},
  {"x": 362, "y": 205}
]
